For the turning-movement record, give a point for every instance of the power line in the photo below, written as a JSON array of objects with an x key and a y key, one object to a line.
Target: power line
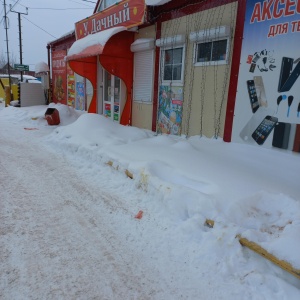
[
  {"x": 80, "y": 3},
  {"x": 88, "y": 1},
  {"x": 40, "y": 27},
  {"x": 50, "y": 8},
  {"x": 12, "y": 6}
]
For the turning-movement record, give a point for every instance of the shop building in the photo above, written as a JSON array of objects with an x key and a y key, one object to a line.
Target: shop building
[{"x": 186, "y": 67}]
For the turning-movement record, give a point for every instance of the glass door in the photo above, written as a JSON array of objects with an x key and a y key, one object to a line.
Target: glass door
[{"x": 112, "y": 96}]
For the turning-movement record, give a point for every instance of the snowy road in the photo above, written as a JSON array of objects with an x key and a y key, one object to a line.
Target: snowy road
[
  {"x": 67, "y": 219},
  {"x": 57, "y": 240}
]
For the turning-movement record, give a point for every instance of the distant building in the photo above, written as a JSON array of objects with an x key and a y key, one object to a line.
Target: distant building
[{"x": 4, "y": 70}]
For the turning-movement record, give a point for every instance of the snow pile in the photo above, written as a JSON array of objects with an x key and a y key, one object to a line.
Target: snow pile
[{"x": 179, "y": 183}]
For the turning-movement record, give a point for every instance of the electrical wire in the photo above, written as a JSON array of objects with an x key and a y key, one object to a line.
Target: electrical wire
[
  {"x": 39, "y": 27},
  {"x": 69, "y": 8},
  {"x": 81, "y": 3},
  {"x": 15, "y": 4},
  {"x": 88, "y": 1},
  {"x": 50, "y": 8}
]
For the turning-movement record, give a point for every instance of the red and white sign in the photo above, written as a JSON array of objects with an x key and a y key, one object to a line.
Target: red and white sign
[
  {"x": 59, "y": 76},
  {"x": 128, "y": 13}
]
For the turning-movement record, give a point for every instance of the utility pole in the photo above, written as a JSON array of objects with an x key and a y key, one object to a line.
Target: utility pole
[
  {"x": 20, "y": 35},
  {"x": 7, "y": 52}
]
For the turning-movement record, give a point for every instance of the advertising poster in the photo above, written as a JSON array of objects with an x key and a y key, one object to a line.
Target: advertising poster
[
  {"x": 116, "y": 112},
  {"x": 170, "y": 110},
  {"x": 80, "y": 95},
  {"x": 59, "y": 76},
  {"x": 268, "y": 94},
  {"x": 107, "y": 110},
  {"x": 71, "y": 86}
]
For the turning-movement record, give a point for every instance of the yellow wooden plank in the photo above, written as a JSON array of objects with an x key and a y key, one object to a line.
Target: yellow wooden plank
[
  {"x": 210, "y": 223},
  {"x": 129, "y": 174},
  {"x": 110, "y": 163},
  {"x": 264, "y": 253}
]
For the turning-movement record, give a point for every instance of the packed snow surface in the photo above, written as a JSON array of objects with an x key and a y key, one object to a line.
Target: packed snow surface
[{"x": 74, "y": 226}]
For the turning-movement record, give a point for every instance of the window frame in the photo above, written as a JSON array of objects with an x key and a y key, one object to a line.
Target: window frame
[
  {"x": 162, "y": 65},
  {"x": 104, "y": 8},
  {"x": 211, "y": 62}
]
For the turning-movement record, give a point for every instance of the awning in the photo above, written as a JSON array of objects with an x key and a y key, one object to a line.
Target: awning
[
  {"x": 110, "y": 48},
  {"x": 92, "y": 45}
]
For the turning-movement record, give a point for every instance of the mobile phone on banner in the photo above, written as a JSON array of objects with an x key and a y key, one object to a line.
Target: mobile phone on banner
[
  {"x": 252, "y": 95},
  {"x": 285, "y": 71},
  {"x": 264, "y": 129}
]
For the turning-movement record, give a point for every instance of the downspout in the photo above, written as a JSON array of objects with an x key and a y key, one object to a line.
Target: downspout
[
  {"x": 156, "y": 77},
  {"x": 49, "y": 76},
  {"x": 233, "y": 81}
]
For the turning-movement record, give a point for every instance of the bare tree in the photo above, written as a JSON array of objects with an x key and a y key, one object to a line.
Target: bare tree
[{"x": 3, "y": 59}]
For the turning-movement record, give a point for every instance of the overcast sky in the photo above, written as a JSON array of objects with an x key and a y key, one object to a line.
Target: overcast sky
[{"x": 46, "y": 21}]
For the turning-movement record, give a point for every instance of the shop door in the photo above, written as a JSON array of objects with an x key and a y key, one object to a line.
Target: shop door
[{"x": 112, "y": 96}]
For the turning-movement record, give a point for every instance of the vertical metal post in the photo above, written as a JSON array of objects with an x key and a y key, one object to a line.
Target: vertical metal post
[
  {"x": 20, "y": 39},
  {"x": 20, "y": 35},
  {"x": 7, "y": 52}
]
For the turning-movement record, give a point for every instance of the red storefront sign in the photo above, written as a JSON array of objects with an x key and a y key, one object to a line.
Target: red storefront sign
[
  {"x": 128, "y": 13},
  {"x": 59, "y": 76}
]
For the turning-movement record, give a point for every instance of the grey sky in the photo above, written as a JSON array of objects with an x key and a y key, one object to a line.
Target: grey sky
[{"x": 46, "y": 21}]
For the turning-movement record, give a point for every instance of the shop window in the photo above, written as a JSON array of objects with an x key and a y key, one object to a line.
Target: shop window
[
  {"x": 172, "y": 59},
  {"x": 212, "y": 51},
  {"x": 106, "y": 3},
  {"x": 172, "y": 65},
  {"x": 211, "y": 45}
]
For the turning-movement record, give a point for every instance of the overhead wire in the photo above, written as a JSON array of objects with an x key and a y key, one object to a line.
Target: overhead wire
[
  {"x": 80, "y": 3},
  {"x": 39, "y": 27},
  {"x": 49, "y": 8}
]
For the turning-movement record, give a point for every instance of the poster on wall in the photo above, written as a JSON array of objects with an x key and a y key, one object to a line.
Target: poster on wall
[
  {"x": 107, "y": 110},
  {"x": 71, "y": 86},
  {"x": 267, "y": 110},
  {"x": 59, "y": 76},
  {"x": 170, "y": 110},
  {"x": 80, "y": 96},
  {"x": 71, "y": 90}
]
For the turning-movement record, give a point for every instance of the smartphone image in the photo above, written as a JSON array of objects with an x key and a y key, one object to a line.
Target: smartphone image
[
  {"x": 260, "y": 90},
  {"x": 263, "y": 130},
  {"x": 252, "y": 68},
  {"x": 291, "y": 79},
  {"x": 252, "y": 95},
  {"x": 285, "y": 71},
  {"x": 281, "y": 135}
]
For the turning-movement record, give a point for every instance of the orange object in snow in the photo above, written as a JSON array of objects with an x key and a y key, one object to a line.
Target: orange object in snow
[
  {"x": 52, "y": 116},
  {"x": 139, "y": 215}
]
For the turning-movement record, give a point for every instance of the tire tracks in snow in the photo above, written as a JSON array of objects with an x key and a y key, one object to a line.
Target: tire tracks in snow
[{"x": 60, "y": 241}]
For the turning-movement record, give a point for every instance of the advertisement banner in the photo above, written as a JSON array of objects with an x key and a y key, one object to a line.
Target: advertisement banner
[
  {"x": 170, "y": 110},
  {"x": 80, "y": 96},
  {"x": 71, "y": 86},
  {"x": 128, "y": 13},
  {"x": 268, "y": 102},
  {"x": 59, "y": 76},
  {"x": 107, "y": 110}
]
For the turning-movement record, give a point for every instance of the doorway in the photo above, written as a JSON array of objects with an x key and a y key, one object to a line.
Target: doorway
[{"x": 112, "y": 102}]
